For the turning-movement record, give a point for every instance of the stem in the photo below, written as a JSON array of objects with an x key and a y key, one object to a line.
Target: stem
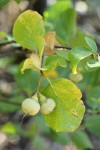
[
  {"x": 64, "y": 47},
  {"x": 39, "y": 83}
]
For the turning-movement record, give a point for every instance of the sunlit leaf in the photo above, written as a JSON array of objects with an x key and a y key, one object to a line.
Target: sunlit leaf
[
  {"x": 29, "y": 30},
  {"x": 33, "y": 62},
  {"x": 69, "y": 110}
]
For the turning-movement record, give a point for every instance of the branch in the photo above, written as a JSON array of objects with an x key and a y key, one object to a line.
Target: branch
[
  {"x": 64, "y": 47},
  {"x": 7, "y": 49}
]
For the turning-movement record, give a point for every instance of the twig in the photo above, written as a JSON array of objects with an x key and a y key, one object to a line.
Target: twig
[{"x": 64, "y": 47}]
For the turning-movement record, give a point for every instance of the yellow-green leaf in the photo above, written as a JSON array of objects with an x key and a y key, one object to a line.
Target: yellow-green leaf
[
  {"x": 33, "y": 62},
  {"x": 29, "y": 30},
  {"x": 28, "y": 64},
  {"x": 69, "y": 110}
]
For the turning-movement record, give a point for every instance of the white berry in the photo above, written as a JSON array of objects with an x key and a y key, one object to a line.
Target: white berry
[
  {"x": 30, "y": 106},
  {"x": 48, "y": 106}
]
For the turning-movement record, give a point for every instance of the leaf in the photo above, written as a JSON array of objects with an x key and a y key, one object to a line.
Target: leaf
[
  {"x": 53, "y": 61},
  {"x": 65, "y": 25},
  {"x": 28, "y": 31},
  {"x": 63, "y": 54},
  {"x": 33, "y": 62},
  {"x": 95, "y": 65},
  {"x": 92, "y": 123},
  {"x": 76, "y": 55},
  {"x": 6, "y": 106},
  {"x": 27, "y": 82},
  {"x": 18, "y": 1},
  {"x": 79, "y": 39},
  {"x": 91, "y": 44},
  {"x": 3, "y": 34},
  {"x": 81, "y": 139},
  {"x": 93, "y": 98},
  {"x": 54, "y": 10},
  {"x": 3, "y": 2},
  {"x": 50, "y": 73},
  {"x": 61, "y": 138},
  {"x": 69, "y": 110},
  {"x": 28, "y": 64},
  {"x": 50, "y": 42},
  {"x": 9, "y": 128}
]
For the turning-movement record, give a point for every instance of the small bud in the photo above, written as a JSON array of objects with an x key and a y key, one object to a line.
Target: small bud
[
  {"x": 48, "y": 106},
  {"x": 30, "y": 106}
]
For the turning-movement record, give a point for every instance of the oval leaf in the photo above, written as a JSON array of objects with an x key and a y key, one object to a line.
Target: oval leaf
[
  {"x": 69, "y": 110},
  {"x": 29, "y": 30}
]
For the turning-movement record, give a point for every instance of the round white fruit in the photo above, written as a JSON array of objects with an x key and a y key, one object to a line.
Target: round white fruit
[
  {"x": 48, "y": 106},
  {"x": 30, "y": 106}
]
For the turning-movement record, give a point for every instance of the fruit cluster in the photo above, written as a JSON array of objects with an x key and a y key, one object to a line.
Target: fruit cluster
[{"x": 37, "y": 103}]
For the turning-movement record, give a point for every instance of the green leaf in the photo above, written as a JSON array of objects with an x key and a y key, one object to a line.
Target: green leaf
[
  {"x": 53, "y": 61},
  {"x": 29, "y": 30},
  {"x": 61, "y": 138},
  {"x": 81, "y": 140},
  {"x": 3, "y": 2},
  {"x": 79, "y": 39},
  {"x": 18, "y": 1},
  {"x": 95, "y": 65},
  {"x": 65, "y": 25},
  {"x": 63, "y": 54},
  {"x": 69, "y": 110},
  {"x": 92, "y": 123},
  {"x": 27, "y": 82},
  {"x": 93, "y": 98},
  {"x": 76, "y": 55},
  {"x": 8, "y": 128},
  {"x": 7, "y": 103},
  {"x": 54, "y": 10},
  {"x": 3, "y": 34},
  {"x": 91, "y": 44}
]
